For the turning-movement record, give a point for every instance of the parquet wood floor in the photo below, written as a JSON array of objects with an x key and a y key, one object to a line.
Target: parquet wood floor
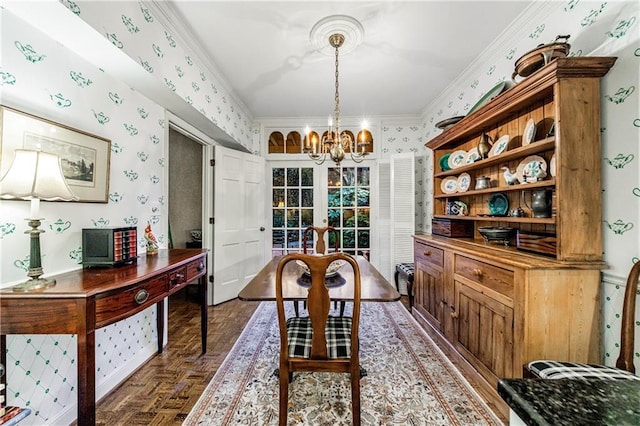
[{"x": 163, "y": 390}]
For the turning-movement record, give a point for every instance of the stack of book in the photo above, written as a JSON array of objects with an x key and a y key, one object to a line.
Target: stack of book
[{"x": 11, "y": 415}]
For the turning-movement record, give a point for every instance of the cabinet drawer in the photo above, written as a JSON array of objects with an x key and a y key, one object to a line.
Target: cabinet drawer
[
  {"x": 493, "y": 277},
  {"x": 428, "y": 253},
  {"x": 112, "y": 308},
  {"x": 177, "y": 277},
  {"x": 196, "y": 269}
]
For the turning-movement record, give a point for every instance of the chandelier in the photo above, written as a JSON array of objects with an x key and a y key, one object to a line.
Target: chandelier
[{"x": 333, "y": 142}]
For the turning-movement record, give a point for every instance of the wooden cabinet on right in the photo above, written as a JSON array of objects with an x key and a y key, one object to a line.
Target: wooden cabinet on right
[{"x": 533, "y": 293}]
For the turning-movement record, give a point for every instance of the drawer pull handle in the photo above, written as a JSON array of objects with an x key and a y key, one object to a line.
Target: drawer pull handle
[
  {"x": 427, "y": 252},
  {"x": 141, "y": 296},
  {"x": 454, "y": 315},
  {"x": 180, "y": 277},
  {"x": 200, "y": 266},
  {"x": 477, "y": 273}
]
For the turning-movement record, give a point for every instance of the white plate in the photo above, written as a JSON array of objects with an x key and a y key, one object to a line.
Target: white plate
[
  {"x": 464, "y": 182},
  {"x": 529, "y": 132},
  {"x": 499, "y": 146},
  {"x": 332, "y": 269},
  {"x": 472, "y": 156},
  {"x": 449, "y": 185},
  {"x": 530, "y": 167},
  {"x": 552, "y": 166},
  {"x": 456, "y": 159}
]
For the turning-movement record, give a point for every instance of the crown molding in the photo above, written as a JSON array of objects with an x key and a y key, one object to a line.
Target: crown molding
[{"x": 167, "y": 15}]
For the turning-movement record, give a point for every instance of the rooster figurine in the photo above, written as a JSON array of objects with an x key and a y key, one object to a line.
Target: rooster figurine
[
  {"x": 152, "y": 242},
  {"x": 509, "y": 178}
]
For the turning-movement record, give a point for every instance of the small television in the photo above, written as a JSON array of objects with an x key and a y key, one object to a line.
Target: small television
[{"x": 111, "y": 246}]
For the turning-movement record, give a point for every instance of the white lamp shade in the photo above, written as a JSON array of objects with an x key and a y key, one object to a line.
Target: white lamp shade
[{"x": 35, "y": 175}]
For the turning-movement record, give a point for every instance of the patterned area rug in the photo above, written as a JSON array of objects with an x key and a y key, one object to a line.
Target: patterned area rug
[{"x": 409, "y": 381}]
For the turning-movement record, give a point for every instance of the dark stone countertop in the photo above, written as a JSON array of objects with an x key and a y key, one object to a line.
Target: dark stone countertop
[{"x": 573, "y": 402}]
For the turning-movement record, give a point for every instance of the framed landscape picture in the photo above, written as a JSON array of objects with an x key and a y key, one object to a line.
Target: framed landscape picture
[{"x": 85, "y": 158}]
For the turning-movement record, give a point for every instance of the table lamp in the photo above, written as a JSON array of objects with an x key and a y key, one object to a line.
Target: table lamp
[{"x": 35, "y": 176}]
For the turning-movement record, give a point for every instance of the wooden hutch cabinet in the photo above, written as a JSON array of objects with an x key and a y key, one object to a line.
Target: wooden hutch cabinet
[{"x": 495, "y": 306}]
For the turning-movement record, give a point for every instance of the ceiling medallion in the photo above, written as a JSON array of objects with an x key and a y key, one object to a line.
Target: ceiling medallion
[{"x": 335, "y": 31}]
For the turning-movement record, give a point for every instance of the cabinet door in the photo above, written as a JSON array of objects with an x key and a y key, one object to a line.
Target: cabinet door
[
  {"x": 483, "y": 332},
  {"x": 429, "y": 294}
]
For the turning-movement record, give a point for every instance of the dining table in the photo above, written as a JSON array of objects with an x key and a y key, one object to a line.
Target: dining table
[{"x": 374, "y": 287}]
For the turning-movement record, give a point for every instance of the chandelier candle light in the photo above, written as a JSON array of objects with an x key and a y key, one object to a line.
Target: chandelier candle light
[
  {"x": 333, "y": 142},
  {"x": 35, "y": 176}
]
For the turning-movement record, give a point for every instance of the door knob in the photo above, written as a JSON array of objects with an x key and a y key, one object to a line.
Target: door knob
[{"x": 262, "y": 228}]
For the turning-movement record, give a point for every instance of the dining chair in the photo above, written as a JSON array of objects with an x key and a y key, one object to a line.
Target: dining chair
[
  {"x": 320, "y": 248},
  {"x": 318, "y": 342},
  {"x": 624, "y": 369}
]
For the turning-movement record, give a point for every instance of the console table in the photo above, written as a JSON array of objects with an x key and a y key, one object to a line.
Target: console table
[{"x": 90, "y": 298}]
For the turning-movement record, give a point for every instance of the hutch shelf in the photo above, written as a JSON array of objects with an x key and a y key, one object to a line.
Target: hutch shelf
[{"x": 494, "y": 306}]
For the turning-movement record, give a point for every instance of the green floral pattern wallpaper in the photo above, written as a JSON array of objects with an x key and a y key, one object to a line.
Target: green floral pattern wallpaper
[{"x": 42, "y": 77}]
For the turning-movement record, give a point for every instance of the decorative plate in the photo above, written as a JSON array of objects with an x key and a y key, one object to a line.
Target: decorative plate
[
  {"x": 444, "y": 162},
  {"x": 499, "y": 146},
  {"x": 464, "y": 182},
  {"x": 529, "y": 132},
  {"x": 332, "y": 269},
  {"x": 457, "y": 159},
  {"x": 531, "y": 169},
  {"x": 472, "y": 156},
  {"x": 498, "y": 204},
  {"x": 457, "y": 208},
  {"x": 449, "y": 185},
  {"x": 495, "y": 91},
  {"x": 445, "y": 124},
  {"x": 552, "y": 166}
]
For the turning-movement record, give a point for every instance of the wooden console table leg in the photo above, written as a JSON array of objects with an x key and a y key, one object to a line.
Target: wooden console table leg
[
  {"x": 204, "y": 313},
  {"x": 86, "y": 364},
  {"x": 160, "y": 324}
]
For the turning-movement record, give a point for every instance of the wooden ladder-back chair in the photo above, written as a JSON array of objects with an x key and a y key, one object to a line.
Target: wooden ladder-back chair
[
  {"x": 624, "y": 369},
  {"x": 319, "y": 342},
  {"x": 320, "y": 248}
]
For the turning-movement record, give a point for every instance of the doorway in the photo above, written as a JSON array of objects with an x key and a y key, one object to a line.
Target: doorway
[{"x": 185, "y": 191}]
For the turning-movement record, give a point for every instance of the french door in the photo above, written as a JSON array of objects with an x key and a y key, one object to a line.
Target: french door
[{"x": 304, "y": 194}]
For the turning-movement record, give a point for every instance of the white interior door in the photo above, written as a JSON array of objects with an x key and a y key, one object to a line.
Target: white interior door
[
  {"x": 402, "y": 203},
  {"x": 239, "y": 221}
]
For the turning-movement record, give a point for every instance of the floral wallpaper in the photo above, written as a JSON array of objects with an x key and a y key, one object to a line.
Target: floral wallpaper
[
  {"x": 139, "y": 32},
  {"x": 40, "y": 76}
]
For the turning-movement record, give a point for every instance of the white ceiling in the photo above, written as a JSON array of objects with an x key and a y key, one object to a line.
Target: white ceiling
[{"x": 411, "y": 51}]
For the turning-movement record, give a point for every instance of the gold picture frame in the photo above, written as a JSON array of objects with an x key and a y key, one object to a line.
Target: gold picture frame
[{"x": 85, "y": 157}]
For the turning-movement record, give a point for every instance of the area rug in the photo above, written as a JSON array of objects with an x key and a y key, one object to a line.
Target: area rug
[{"x": 409, "y": 381}]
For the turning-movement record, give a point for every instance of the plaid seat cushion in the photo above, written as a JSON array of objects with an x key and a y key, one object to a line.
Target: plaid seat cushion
[
  {"x": 573, "y": 370},
  {"x": 405, "y": 268},
  {"x": 338, "y": 333}
]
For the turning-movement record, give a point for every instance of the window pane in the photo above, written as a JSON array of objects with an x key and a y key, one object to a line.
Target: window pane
[
  {"x": 348, "y": 238},
  {"x": 348, "y": 197},
  {"x": 278, "y": 197},
  {"x": 278, "y": 218},
  {"x": 363, "y": 176},
  {"x": 293, "y": 197},
  {"x": 307, "y": 176},
  {"x": 307, "y": 218},
  {"x": 363, "y": 239},
  {"x": 310, "y": 246},
  {"x": 349, "y": 176},
  {"x": 333, "y": 176},
  {"x": 333, "y": 197},
  {"x": 334, "y": 217},
  {"x": 307, "y": 198},
  {"x": 278, "y": 238},
  {"x": 278, "y": 177},
  {"x": 363, "y": 218},
  {"x": 293, "y": 218},
  {"x": 293, "y": 177},
  {"x": 332, "y": 240},
  {"x": 349, "y": 218},
  {"x": 363, "y": 196},
  {"x": 293, "y": 239}
]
